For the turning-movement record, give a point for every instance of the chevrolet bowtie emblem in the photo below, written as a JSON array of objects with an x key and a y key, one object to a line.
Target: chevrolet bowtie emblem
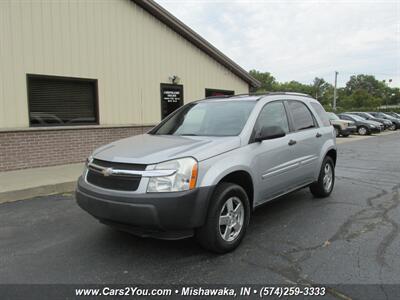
[{"x": 107, "y": 172}]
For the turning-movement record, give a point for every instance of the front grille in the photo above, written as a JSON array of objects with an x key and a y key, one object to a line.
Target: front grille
[
  {"x": 115, "y": 182},
  {"x": 122, "y": 166}
]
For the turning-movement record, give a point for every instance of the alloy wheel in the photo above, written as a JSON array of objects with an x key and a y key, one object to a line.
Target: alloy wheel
[
  {"x": 362, "y": 131},
  {"x": 328, "y": 177},
  {"x": 231, "y": 219}
]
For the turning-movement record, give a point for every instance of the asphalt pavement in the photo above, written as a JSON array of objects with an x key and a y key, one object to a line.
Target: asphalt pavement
[{"x": 352, "y": 237}]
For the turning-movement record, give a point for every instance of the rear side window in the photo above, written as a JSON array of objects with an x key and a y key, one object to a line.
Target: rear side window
[
  {"x": 321, "y": 113},
  {"x": 302, "y": 117}
]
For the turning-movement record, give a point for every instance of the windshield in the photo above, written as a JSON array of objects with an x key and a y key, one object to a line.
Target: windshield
[
  {"x": 357, "y": 118},
  {"x": 215, "y": 118},
  {"x": 332, "y": 116},
  {"x": 368, "y": 115},
  {"x": 388, "y": 116}
]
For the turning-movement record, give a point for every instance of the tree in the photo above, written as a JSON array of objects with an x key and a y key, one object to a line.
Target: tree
[
  {"x": 266, "y": 79},
  {"x": 321, "y": 90},
  {"x": 361, "y": 91},
  {"x": 368, "y": 83}
]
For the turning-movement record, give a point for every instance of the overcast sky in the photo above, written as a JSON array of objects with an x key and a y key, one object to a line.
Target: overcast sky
[{"x": 299, "y": 40}]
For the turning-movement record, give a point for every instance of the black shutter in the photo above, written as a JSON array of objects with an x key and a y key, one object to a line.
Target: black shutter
[{"x": 61, "y": 101}]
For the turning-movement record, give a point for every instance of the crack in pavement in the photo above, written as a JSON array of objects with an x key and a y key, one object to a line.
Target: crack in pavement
[{"x": 375, "y": 214}]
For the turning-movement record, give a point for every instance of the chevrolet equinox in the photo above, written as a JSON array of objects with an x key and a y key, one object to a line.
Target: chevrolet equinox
[{"x": 206, "y": 166}]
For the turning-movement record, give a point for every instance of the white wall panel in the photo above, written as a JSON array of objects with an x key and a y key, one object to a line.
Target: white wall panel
[{"x": 117, "y": 42}]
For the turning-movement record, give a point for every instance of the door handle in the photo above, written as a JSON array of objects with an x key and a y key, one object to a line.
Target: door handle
[
  {"x": 318, "y": 135},
  {"x": 292, "y": 142}
]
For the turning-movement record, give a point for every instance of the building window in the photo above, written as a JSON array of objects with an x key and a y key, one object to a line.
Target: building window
[
  {"x": 214, "y": 92},
  {"x": 61, "y": 101}
]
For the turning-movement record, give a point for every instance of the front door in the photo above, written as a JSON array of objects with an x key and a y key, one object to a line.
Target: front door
[
  {"x": 171, "y": 98},
  {"x": 273, "y": 159}
]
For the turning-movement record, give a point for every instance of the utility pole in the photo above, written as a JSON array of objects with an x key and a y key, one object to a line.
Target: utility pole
[
  {"x": 334, "y": 92},
  {"x": 390, "y": 93}
]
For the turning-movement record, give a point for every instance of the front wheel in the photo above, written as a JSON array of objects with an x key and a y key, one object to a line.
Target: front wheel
[
  {"x": 227, "y": 219},
  {"x": 362, "y": 130},
  {"x": 392, "y": 127},
  {"x": 326, "y": 179}
]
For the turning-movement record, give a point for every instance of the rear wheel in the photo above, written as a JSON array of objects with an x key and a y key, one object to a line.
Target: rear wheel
[
  {"x": 362, "y": 130},
  {"x": 227, "y": 219},
  {"x": 326, "y": 179}
]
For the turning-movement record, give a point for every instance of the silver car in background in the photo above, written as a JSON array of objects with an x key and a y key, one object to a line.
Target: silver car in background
[{"x": 206, "y": 166}]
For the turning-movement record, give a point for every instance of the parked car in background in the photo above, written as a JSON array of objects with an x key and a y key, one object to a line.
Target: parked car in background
[
  {"x": 364, "y": 126},
  {"x": 342, "y": 127},
  {"x": 367, "y": 116},
  {"x": 207, "y": 165},
  {"x": 394, "y": 114},
  {"x": 396, "y": 122}
]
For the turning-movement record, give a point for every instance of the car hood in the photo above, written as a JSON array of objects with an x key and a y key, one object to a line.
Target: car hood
[
  {"x": 373, "y": 123},
  {"x": 150, "y": 149}
]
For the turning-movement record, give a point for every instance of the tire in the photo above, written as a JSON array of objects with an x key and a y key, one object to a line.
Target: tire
[
  {"x": 392, "y": 127},
  {"x": 345, "y": 135},
  {"x": 211, "y": 235},
  {"x": 320, "y": 189},
  {"x": 362, "y": 130}
]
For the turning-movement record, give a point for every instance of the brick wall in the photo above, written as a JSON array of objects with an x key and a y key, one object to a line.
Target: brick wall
[{"x": 39, "y": 148}]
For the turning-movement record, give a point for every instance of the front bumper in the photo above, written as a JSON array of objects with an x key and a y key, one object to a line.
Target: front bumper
[
  {"x": 162, "y": 215},
  {"x": 348, "y": 130},
  {"x": 375, "y": 129}
]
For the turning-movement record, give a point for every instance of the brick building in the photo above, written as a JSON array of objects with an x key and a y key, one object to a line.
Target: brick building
[{"x": 78, "y": 74}]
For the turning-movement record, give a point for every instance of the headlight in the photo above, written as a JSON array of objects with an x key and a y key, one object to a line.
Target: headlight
[
  {"x": 372, "y": 126},
  {"x": 183, "y": 179},
  {"x": 88, "y": 160}
]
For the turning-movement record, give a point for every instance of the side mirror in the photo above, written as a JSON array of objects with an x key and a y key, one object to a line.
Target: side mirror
[{"x": 269, "y": 133}]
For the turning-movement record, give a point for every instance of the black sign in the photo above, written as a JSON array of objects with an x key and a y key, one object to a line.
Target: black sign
[{"x": 171, "y": 98}]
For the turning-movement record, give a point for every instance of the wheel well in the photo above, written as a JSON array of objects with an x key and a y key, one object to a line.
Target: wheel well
[
  {"x": 332, "y": 154},
  {"x": 243, "y": 179}
]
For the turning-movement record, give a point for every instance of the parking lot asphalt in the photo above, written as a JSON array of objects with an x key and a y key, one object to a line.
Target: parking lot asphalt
[{"x": 351, "y": 237}]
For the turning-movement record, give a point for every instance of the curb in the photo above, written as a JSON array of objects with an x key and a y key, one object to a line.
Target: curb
[{"x": 11, "y": 196}]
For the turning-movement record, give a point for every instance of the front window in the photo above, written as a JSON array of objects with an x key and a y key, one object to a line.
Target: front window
[
  {"x": 215, "y": 118},
  {"x": 357, "y": 118},
  {"x": 333, "y": 116},
  {"x": 368, "y": 115}
]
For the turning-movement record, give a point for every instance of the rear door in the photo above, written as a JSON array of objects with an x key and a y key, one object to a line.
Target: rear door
[{"x": 306, "y": 140}]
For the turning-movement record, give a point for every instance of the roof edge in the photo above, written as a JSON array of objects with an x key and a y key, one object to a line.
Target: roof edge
[{"x": 179, "y": 27}]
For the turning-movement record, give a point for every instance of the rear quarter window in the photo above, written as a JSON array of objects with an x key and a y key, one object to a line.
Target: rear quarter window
[{"x": 321, "y": 113}]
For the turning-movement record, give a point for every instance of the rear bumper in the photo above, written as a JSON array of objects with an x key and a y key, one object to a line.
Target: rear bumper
[{"x": 161, "y": 215}]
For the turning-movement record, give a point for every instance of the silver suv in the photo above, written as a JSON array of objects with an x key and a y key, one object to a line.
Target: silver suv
[{"x": 206, "y": 166}]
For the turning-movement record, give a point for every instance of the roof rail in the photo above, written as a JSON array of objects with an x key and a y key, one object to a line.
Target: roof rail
[
  {"x": 260, "y": 95},
  {"x": 272, "y": 93},
  {"x": 218, "y": 96}
]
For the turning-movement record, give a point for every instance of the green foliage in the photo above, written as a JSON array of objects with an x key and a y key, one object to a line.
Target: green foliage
[
  {"x": 266, "y": 79},
  {"x": 361, "y": 91}
]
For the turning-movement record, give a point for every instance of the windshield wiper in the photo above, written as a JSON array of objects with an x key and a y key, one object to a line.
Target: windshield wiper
[{"x": 189, "y": 134}]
